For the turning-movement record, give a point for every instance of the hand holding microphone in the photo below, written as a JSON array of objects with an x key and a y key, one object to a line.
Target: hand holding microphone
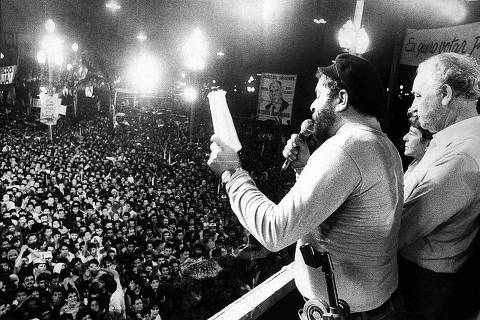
[{"x": 296, "y": 150}]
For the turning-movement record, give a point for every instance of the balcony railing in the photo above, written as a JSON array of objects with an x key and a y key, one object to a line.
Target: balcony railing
[{"x": 260, "y": 299}]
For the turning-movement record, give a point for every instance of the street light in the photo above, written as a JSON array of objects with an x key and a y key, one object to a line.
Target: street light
[
  {"x": 190, "y": 94},
  {"x": 50, "y": 26},
  {"x": 454, "y": 9},
  {"x": 50, "y": 53},
  {"x": 144, "y": 72},
  {"x": 195, "y": 51},
  {"x": 141, "y": 36},
  {"x": 51, "y": 45},
  {"x": 41, "y": 57},
  {"x": 113, "y": 5},
  {"x": 354, "y": 39},
  {"x": 352, "y": 36},
  {"x": 319, "y": 20}
]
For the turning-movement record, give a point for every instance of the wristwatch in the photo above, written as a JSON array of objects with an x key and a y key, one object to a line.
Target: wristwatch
[{"x": 227, "y": 175}]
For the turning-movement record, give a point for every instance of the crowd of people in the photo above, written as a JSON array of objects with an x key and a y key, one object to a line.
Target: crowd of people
[{"x": 123, "y": 221}]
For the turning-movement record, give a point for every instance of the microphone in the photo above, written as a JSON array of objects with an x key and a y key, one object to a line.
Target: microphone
[{"x": 306, "y": 130}]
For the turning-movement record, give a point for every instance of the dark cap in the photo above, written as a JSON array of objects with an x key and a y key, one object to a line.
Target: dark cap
[{"x": 361, "y": 80}]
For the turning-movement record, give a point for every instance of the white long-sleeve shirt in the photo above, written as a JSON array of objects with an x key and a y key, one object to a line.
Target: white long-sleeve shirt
[
  {"x": 347, "y": 200},
  {"x": 442, "y": 200}
]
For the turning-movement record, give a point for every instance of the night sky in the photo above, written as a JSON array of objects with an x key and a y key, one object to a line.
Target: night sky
[{"x": 283, "y": 41}]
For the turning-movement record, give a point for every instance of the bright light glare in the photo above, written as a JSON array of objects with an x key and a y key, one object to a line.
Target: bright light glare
[
  {"x": 454, "y": 9},
  {"x": 195, "y": 51},
  {"x": 251, "y": 89},
  {"x": 348, "y": 37},
  {"x": 75, "y": 47},
  {"x": 58, "y": 58},
  {"x": 250, "y": 80},
  {"x": 220, "y": 53},
  {"x": 269, "y": 7},
  {"x": 52, "y": 46},
  {"x": 41, "y": 57},
  {"x": 319, "y": 21},
  {"x": 363, "y": 41},
  {"x": 50, "y": 26},
  {"x": 190, "y": 94},
  {"x": 144, "y": 73},
  {"x": 113, "y": 5},
  {"x": 69, "y": 67},
  {"x": 141, "y": 36}
]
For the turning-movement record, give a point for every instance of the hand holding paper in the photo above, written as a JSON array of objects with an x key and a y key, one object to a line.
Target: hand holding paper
[
  {"x": 225, "y": 144},
  {"x": 222, "y": 120}
]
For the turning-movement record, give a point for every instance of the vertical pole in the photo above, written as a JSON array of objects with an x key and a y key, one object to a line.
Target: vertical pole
[
  {"x": 75, "y": 101},
  {"x": 193, "y": 82},
  {"x": 29, "y": 102},
  {"x": 191, "y": 121},
  {"x": 357, "y": 22},
  {"x": 1, "y": 18},
  {"x": 114, "y": 118},
  {"x": 393, "y": 78},
  {"x": 50, "y": 92},
  {"x": 50, "y": 76}
]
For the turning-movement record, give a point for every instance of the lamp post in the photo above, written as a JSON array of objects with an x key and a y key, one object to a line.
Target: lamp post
[
  {"x": 195, "y": 52},
  {"x": 113, "y": 6},
  {"x": 75, "y": 95},
  {"x": 352, "y": 36},
  {"x": 50, "y": 53}
]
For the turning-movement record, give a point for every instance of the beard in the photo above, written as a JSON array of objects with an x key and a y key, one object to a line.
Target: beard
[{"x": 324, "y": 121}]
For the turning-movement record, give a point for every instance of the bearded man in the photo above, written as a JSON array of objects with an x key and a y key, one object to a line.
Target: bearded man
[{"x": 347, "y": 199}]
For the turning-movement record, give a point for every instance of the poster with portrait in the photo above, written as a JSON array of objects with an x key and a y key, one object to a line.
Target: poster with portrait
[{"x": 275, "y": 97}]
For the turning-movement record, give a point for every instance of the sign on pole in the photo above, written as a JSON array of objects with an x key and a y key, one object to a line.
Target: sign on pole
[
  {"x": 50, "y": 109},
  {"x": 275, "y": 97},
  {"x": 420, "y": 44}
]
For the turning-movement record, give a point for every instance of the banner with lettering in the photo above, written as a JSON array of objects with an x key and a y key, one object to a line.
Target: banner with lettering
[
  {"x": 275, "y": 97},
  {"x": 7, "y": 74},
  {"x": 50, "y": 108},
  {"x": 420, "y": 44}
]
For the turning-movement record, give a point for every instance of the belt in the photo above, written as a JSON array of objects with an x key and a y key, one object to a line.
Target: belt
[{"x": 386, "y": 306}]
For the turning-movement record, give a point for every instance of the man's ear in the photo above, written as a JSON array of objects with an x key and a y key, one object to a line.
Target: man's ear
[
  {"x": 447, "y": 94},
  {"x": 342, "y": 104}
]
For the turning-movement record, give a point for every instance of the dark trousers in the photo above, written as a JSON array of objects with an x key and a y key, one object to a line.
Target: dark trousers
[
  {"x": 429, "y": 295},
  {"x": 393, "y": 312}
]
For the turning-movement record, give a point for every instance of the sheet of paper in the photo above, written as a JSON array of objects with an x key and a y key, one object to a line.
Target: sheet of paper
[{"x": 222, "y": 120}]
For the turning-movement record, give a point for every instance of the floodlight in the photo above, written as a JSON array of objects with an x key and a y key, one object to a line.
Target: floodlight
[
  {"x": 190, "y": 94},
  {"x": 144, "y": 72},
  {"x": 41, "y": 57},
  {"x": 195, "y": 51},
  {"x": 50, "y": 26}
]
